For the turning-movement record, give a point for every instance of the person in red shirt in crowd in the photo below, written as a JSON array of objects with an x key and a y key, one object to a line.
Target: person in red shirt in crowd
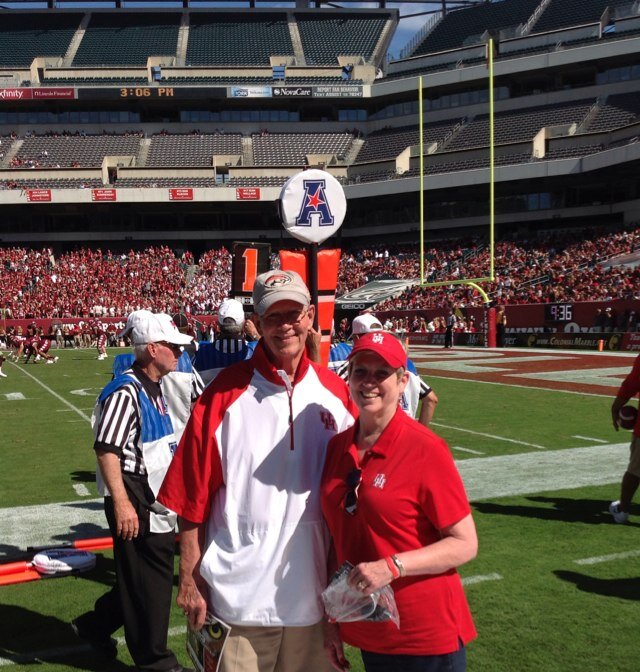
[
  {"x": 631, "y": 479},
  {"x": 397, "y": 510}
]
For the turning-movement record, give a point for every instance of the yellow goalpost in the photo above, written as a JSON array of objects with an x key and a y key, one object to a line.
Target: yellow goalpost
[{"x": 472, "y": 282}]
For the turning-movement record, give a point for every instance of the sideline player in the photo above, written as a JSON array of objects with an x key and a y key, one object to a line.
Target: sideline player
[{"x": 631, "y": 479}]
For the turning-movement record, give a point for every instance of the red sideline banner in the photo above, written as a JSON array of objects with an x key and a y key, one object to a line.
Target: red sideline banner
[
  {"x": 248, "y": 194},
  {"x": 103, "y": 195},
  {"x": 181, "y": 194},
  {"x": 39, "y": 195}
]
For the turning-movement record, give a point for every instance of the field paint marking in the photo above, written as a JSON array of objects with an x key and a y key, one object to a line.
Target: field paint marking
[
  {"x": 56, "y": 395},
  {"x": 612, "y": 376},
  {"x": 483, "y": 365},
  {"x": 588, "y": 438},
  {"x": 69, "y": 410},
  {"x": 479, "y": 578},
  {"x": 46, "y": 654},
  {"x": 596, "y": 560},
  {"x": 489, "y": 436},
  {"x": 532, "y": 473},
  {"x": 484, "y": 478},
  {"x": 14, "y": 396},
  {"x": 466, "y": 450},
  {"x": 523, "y": 387},
  {"x": 81, "y": 489}
]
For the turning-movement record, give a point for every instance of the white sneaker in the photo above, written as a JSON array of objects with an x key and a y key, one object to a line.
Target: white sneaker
[
  {"x": 618, "y": 515},
  {"x": 38, "y": 358},
  {"x": 55, "y": 359},
  {"x": 3, "y": 375}
]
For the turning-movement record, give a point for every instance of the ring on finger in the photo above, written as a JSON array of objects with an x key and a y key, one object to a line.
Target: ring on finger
[{"x": 361, "y": 584}]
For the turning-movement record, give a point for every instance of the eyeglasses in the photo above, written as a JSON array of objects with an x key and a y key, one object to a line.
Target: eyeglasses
[
  {"x": 353, "y": 480},
  {"x": 172, "y": 346},
  {"x": 278, "y": 319}
]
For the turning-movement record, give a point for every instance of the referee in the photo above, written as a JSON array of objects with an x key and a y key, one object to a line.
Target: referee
[{"x": 134, "y": 444}]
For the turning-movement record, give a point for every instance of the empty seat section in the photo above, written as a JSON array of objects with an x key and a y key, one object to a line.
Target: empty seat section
[
  {"x": 461, "y": 27},
  {"x": 127, "y": 39},
  {"x": 237, "y": 39},
  {"x": 290, "y": 149},
  {"x": 324, "y": 38},
  {"x": 53, "y": 183},
  {"x": 563, "y": 13},
  {"x": 388, "y": 143},
  {"x": 163, "y": 182},
  {"x": 24, "y": 36},
  {"x": 518, "y": 125},
  {"x": 619, "y": 110},
  {"x": 194, "y": 149},
  {"x": 75, "y": 151},
  {"x": 263, "y": 181}
]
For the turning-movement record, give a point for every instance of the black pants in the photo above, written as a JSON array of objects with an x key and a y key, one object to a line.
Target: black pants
[
  {"x": 449, "y": 662},
  {"x": 448, "y": 337},
  {"x": 141, "y": 597}
]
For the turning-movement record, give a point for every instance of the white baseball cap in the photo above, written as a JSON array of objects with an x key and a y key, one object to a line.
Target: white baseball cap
[
  {"x": 364, "y": 324},
  {"x": 230, "y": 309},
  {"x": 143, "y": 326}
]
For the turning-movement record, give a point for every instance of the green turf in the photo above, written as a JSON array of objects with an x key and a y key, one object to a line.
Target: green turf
[{"x": 546, "y": 613}]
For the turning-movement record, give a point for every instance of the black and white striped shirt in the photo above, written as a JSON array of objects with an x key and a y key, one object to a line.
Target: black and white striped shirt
[{"x": 118, "y": 429}]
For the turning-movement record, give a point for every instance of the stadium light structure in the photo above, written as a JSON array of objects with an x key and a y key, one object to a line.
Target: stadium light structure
[{"x": 471, "y": 282}]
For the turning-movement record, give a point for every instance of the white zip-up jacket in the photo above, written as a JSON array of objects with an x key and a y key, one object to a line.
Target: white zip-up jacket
[{"x": 250, "y": 464}]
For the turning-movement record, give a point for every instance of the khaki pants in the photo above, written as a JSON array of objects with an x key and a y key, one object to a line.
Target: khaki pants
[{"x": 275, "y": 649}]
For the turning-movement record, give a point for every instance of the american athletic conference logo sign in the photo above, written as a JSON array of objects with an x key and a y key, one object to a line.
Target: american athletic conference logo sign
[{"x": 312, "y": 205}]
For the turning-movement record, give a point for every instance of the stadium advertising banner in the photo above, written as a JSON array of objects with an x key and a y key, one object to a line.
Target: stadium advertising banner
[
  {"x": 39, "y": 195},
  {"x": 247, "y": 193},
  {"x": 371, "y": 293},
  {"x": 103, "y": 195},
  {"x": 292, "y": 92},
  {"x": 249, "y": 92},
  {"x": 37, "y": 94},
  {"x": 337, "y": 91},
  {"x": 181, "y": 194}
]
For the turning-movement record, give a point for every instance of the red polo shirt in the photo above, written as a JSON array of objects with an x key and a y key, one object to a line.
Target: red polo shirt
[{"x": 410, "y": 490}]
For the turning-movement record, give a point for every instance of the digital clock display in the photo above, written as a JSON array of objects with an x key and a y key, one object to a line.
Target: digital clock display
[
  {"x": 147, "y": 92},
  {"x": 558, "y": 312}
]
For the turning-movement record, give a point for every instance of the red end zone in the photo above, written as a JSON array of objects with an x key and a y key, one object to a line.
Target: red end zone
[{"x": 575, "y": 371}]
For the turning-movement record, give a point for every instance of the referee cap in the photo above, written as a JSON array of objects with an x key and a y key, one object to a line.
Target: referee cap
[
  {"x": 364, "y": 324},
  {"x": 231, "y": 311},
  {"x": 143, "y": 326}
]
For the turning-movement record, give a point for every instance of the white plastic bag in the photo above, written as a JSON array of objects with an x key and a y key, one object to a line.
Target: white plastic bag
[{"x": 343, "y": 604}]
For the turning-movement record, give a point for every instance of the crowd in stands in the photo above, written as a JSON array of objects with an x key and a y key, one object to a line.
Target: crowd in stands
[{"x": 99, "y": 283}]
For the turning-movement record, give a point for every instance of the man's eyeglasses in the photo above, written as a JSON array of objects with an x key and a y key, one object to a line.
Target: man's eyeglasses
[
  {"x": 353, "y": 480},
  {"x": 171, "y": 346},
  {"x": 292, "y": 317}
]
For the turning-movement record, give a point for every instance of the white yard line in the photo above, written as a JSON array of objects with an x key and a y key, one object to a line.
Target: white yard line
[
  {"x": 81, "y": 489},
  {"x": 596, "y": 560},
  {"x": 489, "y": 436},
  {"x": 466, "y": 450},
  {"x": 588, "y": 438},
  {"x": 53, "y": 393},
  {"x": 480, "y": 578}
]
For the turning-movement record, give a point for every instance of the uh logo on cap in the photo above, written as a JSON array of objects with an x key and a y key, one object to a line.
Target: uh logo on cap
[{"x": 314, "y": 207}]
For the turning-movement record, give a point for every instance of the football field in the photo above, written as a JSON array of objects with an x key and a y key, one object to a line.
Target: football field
[{"x": 555, "y": 586}]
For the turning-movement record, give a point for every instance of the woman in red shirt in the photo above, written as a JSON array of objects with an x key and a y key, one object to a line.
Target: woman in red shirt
[{"x": 397, "y": 510}]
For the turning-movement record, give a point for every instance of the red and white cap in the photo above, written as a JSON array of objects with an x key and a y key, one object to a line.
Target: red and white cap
[{"x": 383, "y": 344}]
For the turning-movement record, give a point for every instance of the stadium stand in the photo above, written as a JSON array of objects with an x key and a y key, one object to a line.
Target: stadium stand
[
  {"x": 214, "y": 38},
  {"x": 127, "y": 38},
  {"x": 461, "y": 27},
  {"x": 163, "y": 182},
  {"x": 39, "y": 35},
  {"x": 324, "y": 38},
  {"x": 619, "y": 110},
  {"x": 77, "y": 150},
  {"x": 195, "y": 149},
  {"x": 562, "y": 13},
  {"x": 519, "y": 125},
  {"x": 52, "y": 183},
  {"x": 291, "y": 149}
]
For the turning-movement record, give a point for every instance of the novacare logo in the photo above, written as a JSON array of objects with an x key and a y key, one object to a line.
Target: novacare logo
[{"x": 11, "y": 94}]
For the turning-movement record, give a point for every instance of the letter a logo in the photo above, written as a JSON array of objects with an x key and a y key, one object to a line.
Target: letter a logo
[{"x": 315, "y": 209}]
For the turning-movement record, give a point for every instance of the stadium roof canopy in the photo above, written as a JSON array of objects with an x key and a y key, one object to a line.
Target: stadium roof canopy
[{"x": 406, "y": 6}]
